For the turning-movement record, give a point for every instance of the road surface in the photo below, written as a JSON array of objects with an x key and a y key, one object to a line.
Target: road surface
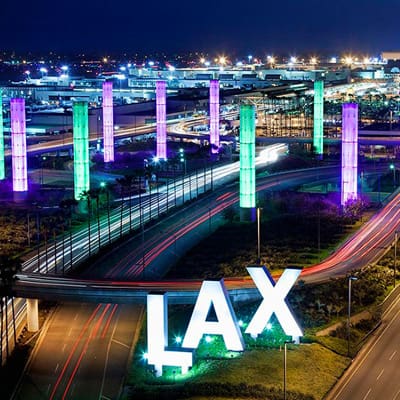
[{"x": 375, "y": 372}]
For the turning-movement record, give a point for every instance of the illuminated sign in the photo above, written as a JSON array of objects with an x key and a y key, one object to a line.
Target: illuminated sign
[{"x": 214, "y": 293}]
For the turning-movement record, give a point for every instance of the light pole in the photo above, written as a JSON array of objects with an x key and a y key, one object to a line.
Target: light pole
[
  {"x": 285, "y": 367},
  {"x": 393, "y": 168},
  {"x": 258, "y": 235},
  {"x": 351, "y": 278},
  {"x": 395, "y": 258}
]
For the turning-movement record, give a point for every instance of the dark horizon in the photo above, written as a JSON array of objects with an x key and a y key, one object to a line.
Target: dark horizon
[{"x": 310, "y": 26}]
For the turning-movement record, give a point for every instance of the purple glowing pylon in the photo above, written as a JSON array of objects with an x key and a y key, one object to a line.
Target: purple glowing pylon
[
  {"x": 108, "y": 122},
  {"x": 349, "y": 152},
  {"x": 161, "y": 120},
  {"x": 18, "y": 145},
  {"x": 214, "y": 115}
]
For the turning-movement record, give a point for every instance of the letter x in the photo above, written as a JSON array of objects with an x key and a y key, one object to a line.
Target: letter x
[{"x": 274, "y": 301}]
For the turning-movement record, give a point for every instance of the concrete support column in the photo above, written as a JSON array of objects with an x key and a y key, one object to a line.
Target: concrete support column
[{"x": 32, "y": 312}]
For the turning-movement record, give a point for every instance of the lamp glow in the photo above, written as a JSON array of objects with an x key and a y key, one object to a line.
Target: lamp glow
[
  {"x": 108, "y": 122},
  {"x": 349, "y": 152},
  {"x": 18, "y": 145},
  {"x": 161, "y": 120},
  {"x": 81, "y": 148},
  {"x": 214, "y": 115},
  {"x": 319, "y": 117},
  {"x": 247, "y": 157}
]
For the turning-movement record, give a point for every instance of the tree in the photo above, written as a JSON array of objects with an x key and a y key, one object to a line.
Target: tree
[{"x": 9, "y": 267}]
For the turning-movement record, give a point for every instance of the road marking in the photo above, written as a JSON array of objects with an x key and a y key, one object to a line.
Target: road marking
[
  {"x": 364, "y": 356},
  {"x": 76, "y": 316},
  {"x": 120, "y": 343},
  {"x": 56, "y": 369},
  {"x": 380, "y": 374},
  {"x": 65, "y": 345},
  {"x": 69, "y": 332},
  {"x": 395, "y": 397},
  {"x": 369, "y": 391},
  {"x": 48, "y": 387},
  {"x": 391, "y": 357}
]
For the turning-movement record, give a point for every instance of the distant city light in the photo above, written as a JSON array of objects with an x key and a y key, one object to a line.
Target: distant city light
[
  {"x": 171, "y": 68},
  {"x": 122, "y": 68},
  {"x": 151, "y": 63},
  {"x": 293, "y": 60},
  {"x": 64, "y": 68},
  {"x": 333, "y": 60},
  {"x": 313, "y": 60},
  {"x": 348, "y": 60},
  {"x": 43, "y": 70}
]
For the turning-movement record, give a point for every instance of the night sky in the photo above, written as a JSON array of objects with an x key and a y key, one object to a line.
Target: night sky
[{"x": 234, "y": 27}]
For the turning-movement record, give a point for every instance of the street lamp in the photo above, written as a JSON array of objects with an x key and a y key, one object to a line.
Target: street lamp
[
  {"x": 351, "y": 278},
  {"x": 393, "y": 168},
  {"x": 182, "y": 158},
  {"x": 395, "y": 258},
  {"x": 284, "y": 366}
]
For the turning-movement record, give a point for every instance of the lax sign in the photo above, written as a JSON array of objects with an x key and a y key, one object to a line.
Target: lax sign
[{"x": 214, "y": 293}]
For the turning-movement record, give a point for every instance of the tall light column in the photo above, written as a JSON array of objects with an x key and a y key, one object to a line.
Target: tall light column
[
  {"x": 349, "y": 152},
  {"x": 108, "y": 122},
  {"x": 318, "y": 140},
  {"x": 18, "y": 145},
  {"x": 161, "y": 120},
  {"x": 2, "y": 165},
  {"x": 247, "y": 163},
  {"x": 81, "y": 148},
  {"x": 214, "y": 115}
]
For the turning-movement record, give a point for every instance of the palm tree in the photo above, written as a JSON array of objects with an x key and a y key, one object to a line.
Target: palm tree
[
  {"x": 69, "y": 204},
  {"x": 9, "y": 267},
  {"x": 126, "y": 187},
  {"x": 85, "y": 195},
  {"x": 95, "y": 194}
]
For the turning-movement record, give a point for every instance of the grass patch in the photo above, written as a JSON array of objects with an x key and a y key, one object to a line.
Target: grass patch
[{"x": 257, "y": 373}]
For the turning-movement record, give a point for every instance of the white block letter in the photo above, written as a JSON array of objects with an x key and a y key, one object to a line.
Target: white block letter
[
  {"x": 274, "y": 301},
  {"x": 157, "y": 337},
  {"x": 214, "y": 293}
]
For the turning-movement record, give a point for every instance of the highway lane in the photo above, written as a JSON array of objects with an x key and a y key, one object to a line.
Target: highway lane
[
  {"x": 83, "y": 353},
  {"x": 375, "y": 373}
]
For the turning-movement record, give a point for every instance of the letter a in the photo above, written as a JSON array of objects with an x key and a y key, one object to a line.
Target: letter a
[{"x": 214, "y": 293}]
